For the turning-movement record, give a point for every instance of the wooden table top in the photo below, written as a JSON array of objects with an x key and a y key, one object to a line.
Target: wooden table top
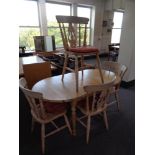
[
  {"x": 56, "y": 90},
  {"x": 30, "y": 60}
]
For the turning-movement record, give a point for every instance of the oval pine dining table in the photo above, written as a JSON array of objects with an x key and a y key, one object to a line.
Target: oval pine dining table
[{"x": 56, "y": 90}]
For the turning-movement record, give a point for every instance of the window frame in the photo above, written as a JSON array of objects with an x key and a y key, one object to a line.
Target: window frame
[
  {"x": 57, "y": 27},
  {"x": 38, "y": 16}
]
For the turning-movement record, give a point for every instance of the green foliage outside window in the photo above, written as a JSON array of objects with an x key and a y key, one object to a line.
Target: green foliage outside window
[
  {"x": 26, "y": 37},
  {"x": 56, "y": 33}
]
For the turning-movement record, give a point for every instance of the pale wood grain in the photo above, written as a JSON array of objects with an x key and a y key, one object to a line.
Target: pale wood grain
[{"x": 54, "y": 89}]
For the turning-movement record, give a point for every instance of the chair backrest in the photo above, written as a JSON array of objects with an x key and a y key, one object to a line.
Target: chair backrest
[
  {"x": 36, "y": 72},
  {"x": 100, "y": 95},
  {"x": 118, "y": 69},
  {"x": 35, "y": 100},
  {"x": 73, "y": 31}
]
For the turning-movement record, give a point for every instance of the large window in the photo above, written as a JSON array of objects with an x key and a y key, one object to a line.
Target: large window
[
  {"x": 53, "y": 28},
  {"x": 117, "y": 27},
  {"x": 85, "y": 12},
  {"x": 33, "y": 22},
  {"x": 28, "y": 23}
]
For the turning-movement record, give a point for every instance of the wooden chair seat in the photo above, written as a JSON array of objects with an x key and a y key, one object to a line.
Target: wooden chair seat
[
  {"x": 49, "y": 116},
  {"x": 55, "y": 108}
]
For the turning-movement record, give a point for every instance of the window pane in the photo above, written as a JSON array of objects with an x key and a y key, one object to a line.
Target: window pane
[
  {"x": 26, "y": 37},
  {"x": 118, "y": 17},
  {"x": 82, "y": 35},
  {"x": 116, "y": 33},
  {"x": 53, "y": 28},
  {"x": 56, "y": 9},
  {"x": 28, "y": 13},
  {"x": 84, "y": 12},
  {"x": 56, "y": 33}
]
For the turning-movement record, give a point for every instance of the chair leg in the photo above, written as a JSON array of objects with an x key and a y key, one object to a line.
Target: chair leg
[
  {"x": 32, "y": 124},
  {"x": 106, "y": 120},
  {"x": 99, "y": 67},
  {"x": 76, "y": 72},
  {"x": 118, "y": 101},
  {"x": 68, "y": 124},
  {"x": 88, "y": 128},
  {"x": 109, "y": 56},
  {"x": 73, "y": 109},
  {"x": 43, "y": 138},
  {"x": 82, "y": 64},
  {"x": 64, "y": 66}
]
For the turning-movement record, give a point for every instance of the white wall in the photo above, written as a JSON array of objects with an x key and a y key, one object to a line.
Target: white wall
[
  {"x": 127, "y": 41},
  {"x": 114, "y": 4}
]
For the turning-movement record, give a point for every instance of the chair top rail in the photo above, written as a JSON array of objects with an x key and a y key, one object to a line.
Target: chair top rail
[
  {"x": 72, "y": 19},
  {"x": 94, "y": 88}
]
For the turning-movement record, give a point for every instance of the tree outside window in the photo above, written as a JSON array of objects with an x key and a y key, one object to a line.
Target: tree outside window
[{"x": 28, "y": 24}]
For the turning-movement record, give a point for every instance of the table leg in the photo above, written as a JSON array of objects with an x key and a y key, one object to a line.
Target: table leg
[{"x": 73, "y": 108}]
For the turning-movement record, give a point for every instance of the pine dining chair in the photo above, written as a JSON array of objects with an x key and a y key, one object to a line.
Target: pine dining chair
[
  {"x": 96, "y": 103},
  {"x": 44, "y": 112},
  {"x": 119, "y": 70},
  {"x": 74, "y": 31}
]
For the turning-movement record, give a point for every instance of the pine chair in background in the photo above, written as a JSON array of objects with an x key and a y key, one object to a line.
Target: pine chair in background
[
  {"x": 44, "y": 112},
  {"x": 74, "y": 36},
  {"x": 95, "y": 103},
  {"x": 118, "y": 69},
  {"x": 113, "y": 51}
]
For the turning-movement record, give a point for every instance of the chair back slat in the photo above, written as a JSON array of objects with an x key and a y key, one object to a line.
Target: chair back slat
[
  {"x": 79, "y": 34},
  {"x": 72, "y": 19},
  {"x": 85, "y": 35},
  {"x": 64, "y": 35},
  {"x": 100, "y": 95},
  {"x": 73, "y": 30},
  {"x": 123, "y": 70},
  {"x": 72, "y": 38},
  {"x": 118, "y": 69}
]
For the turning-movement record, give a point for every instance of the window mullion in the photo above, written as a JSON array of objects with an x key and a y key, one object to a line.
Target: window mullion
[{"x": 42, "y": 17}]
